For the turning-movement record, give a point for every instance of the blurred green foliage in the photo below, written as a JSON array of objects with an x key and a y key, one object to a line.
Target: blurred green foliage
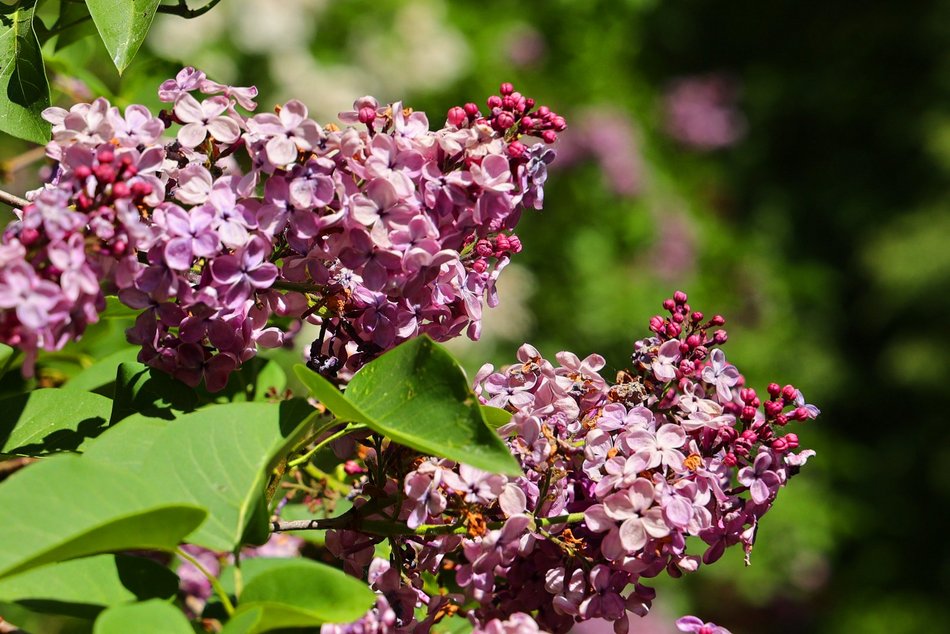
[{"x": 820, "y": 234}]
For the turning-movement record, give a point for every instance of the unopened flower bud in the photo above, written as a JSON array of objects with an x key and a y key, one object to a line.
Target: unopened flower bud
[
  {"x": 673, "y": 330},
  {"x": 549, "y": 136},
  {"x": 774, "y": 389},
  {"x": 679, "y": 297},
  {"x": 120, "y": 190},
  {"x": 720, "y": 337},
  {"x": 789, "y": 393},
  {"x": 471, "y": 109},
  {"x": 656, "y": 323},
  {"x": 516, "y": 149},
  {"x": 483, "y": 248},
  {"x": 506, "y": 88},
  {"x": 457, "y": 116},
  {"x": 494, "y": 102},
  {"x": 480, "y": 265},
  {"x": 773, "y": 409},
  {"x": 504, "y": 121},
  {"x": 748, "y": 413},
  {"x": 717, "y": 320},
  {"x": 668, "y": 304},
  {"x": 83, "y": 172},
  {"x": 367, "y": 115}
]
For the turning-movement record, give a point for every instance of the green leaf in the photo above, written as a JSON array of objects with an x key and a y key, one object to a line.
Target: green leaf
[
  {"x": 88, "y": 508},
  {"x": 251, "y": 383},
  {"x": 140, "y": 389},
  {"x": 115, "y": 309},
  {"x": 219, "y": 458},
  {"x": 83, "y": 587},
  {"x": 24, "y": 90},
  {"x": 495, "y": 417},
  {"x": 417, "y": 395},
  {"x": 245, "y": 622},
  {"x": 149, "y": 617},
  {"x": 126, "y": 445},
  {"x": 304, "y": 593},
  {"x": 123, "y": 25},
  {"x": 74, "y": 22},
  {"x": 51, "y": 420},
  {"x": 100, "y": 376},
  {"x": 6, "y": 354}
]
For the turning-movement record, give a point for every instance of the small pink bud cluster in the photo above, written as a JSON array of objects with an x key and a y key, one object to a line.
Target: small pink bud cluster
[
  {"x": 513, "y": 115},
  {"x": 375, "y": 233},
  {"x": 616, "y": 477}
]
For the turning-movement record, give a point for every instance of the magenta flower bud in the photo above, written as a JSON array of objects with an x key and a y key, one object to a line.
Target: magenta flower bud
[
  {"x": 494, "y": 102},
  {"x": 514, "y": 244},
  {"x": 105, "y": 154},
  {"x": 549, "y": 136},
  {"x": 544, "y": 111},
  {"x": 678, "y": 318},
  {"x": 702, "y": 352},
  {"x": 129, "y": 171},
  {"x": 83, "y": 172},
  {"x": 730, "y": 460},
  {"x": 679, "y": 297},
  {"x": 501, "y": 243},
  {"x": 774, "y": 389},
  {"x": 792, "y": 440},
  {"x": 506, "y": 88},
  {"x": 367, "y": 115},
  {"x": 781, "y": 420},
  {"x": 483, "y": 248},
  {"x": 656, "y": 323},
  {"x": 668, "y": 304},
  {"x": 697, "y": 316},
  {"x": 789, "y": 393},
  {"x": 529, "y": 103},
  {"x": 686, "y": 367},
  {"x": 694, "y": 340},
  {"x": 104, "y": 172},
  {"x": 559, "y": 123},
  {"x": 773, "y": 409},
  {"x": 720, "y": 337},
  {"x": 748, "y": 437},
  {"x": 471, "y": 109},
  {"x": 119, "y": 247},
  {"x": 504, "y": 121},
  {"x": 747, "y": 395},
  {"x": 141, "y": 190},
  {"x": 800, "y": 413},
  {"x": 352, "y": 467},
  {"x": 516, "y": 149},
  {"x": 480, "y": 265},
  {"x": 684, "y": 348},
  {"x": 673, "y": 330},
  {"x": 28, "y": 236},
  {"x": 457, "y": 116},
  {"x": 779, "y": 445},
  {"x": 121, "y": 190},
  {"x": 717, "y": 320},
  {"x": 748, "y": 413},
  {"x": 527, "y": 123},
  {"x": 728, "y": 435}
]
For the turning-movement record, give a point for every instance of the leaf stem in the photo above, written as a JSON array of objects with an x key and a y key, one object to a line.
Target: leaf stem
[
  {"x": 218, "y": 588},
  {"x": 181, "y": 9},
  {"x": 296, "y": 462}
]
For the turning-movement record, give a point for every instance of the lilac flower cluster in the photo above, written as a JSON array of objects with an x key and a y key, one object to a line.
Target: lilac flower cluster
[
  {"x": 376, "y": 233},
  {"x": 616, "y": 476}
]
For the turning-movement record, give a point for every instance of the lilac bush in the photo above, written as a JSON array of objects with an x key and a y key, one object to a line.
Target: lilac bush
[{"x": 375, "y": 232}]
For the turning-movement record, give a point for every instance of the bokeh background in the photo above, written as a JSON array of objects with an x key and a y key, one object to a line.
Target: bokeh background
[{"x": 785, "y": 163}]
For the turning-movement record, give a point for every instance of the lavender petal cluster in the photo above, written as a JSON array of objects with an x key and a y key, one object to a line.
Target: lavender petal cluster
[
  {"x": 617, "y": 474},
  {"x": 212, "y": 222}
]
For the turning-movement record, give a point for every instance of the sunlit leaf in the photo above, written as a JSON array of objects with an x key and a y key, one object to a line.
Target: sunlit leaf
[
  {"x": 148, "y": 617},
  {"x": 122, "y": 25},
  {"x": 51, "y": 420},
  {"x": 24, "y": 89}
]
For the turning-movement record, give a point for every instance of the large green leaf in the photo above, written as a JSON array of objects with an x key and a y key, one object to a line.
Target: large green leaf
[
  {"x": 100, "y": 376},
  {"x": 148, "y": 617},
  {"x": 123, "y": 25},
  {"x": 88, "y": 508},
  {"x": 140, "y": 389},
  {"x": 6, "y": 354},
  {"x": 126, "y": 445},
  {"x": 24, "y": 90},
  {"x": 252, "y": 382},
  {"x": 244, "y": 622},
  {"x": 83, "y": 587},
  {"x": 219, "y": 458},
  {"x": 304, "y": 593},
  {"x": 51, "y": 420},
  {"x": 417, "y": 395}
]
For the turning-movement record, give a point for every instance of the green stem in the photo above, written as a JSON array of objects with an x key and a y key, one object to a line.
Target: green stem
[
  {"x": 296, "y": 462},
  {"x": 384, "y": 528},
  {"x": 218, "y": 588}
]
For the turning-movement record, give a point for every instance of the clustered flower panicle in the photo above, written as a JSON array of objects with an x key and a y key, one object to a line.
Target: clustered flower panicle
[
  {"x": 617, "y": 475},
  {"x": 376, "y": 233}
]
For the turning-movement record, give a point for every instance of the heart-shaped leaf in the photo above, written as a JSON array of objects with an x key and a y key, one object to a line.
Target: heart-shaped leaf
[
  {"x": 219, "y": 459},
  {"x": 24, "y": 90},
  {"x": 417, "y": 395},
  {"x": 51, "y": 420},
  {"x": 122, "y": 25},
  {"x": 87, "y": 508}
]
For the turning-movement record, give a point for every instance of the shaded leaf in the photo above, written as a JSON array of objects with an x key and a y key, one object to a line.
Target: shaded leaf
[
  {"x": 149, "y": 617},
  {"x": 83, "y": 587},
  {"x": 495, "y": 417},
  {"x": 51, "y": 420},
  {"x": 88, "y": 508},
  {"x": 417, "y": 395},
  {"x": 100, "y": 376},
  {"x": 304, "y": 593},
  {"x": 219, "y": 458},
  {"x": 250, "y": 383},
  {"x": 244, "y": 622},
  {"x": 115, "y": 309},
  {"x": 24, "y": 89},
  {"x": 143, "y": 390},
  {"x": 122, "y": 25}
]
